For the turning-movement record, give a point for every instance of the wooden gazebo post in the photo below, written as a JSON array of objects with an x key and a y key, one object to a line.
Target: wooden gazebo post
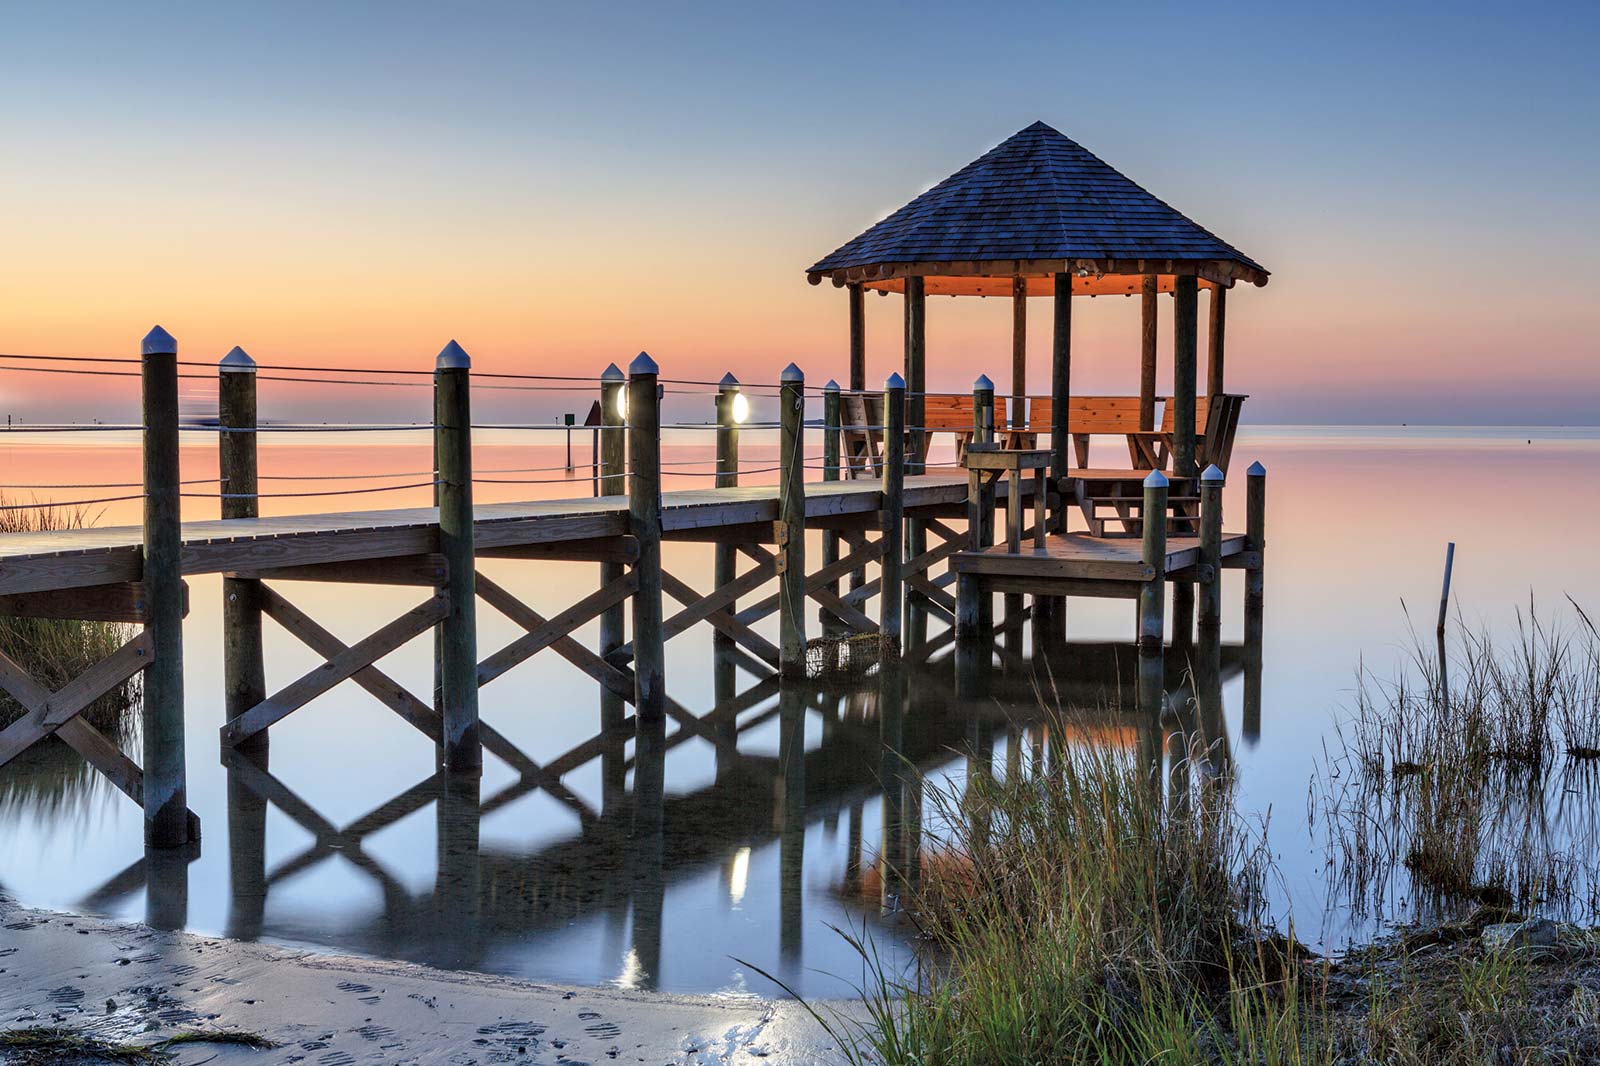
[
  {"x": 1147, "y": 353},
  {"x": 1061, "y": 393},
  {"x": 1219, "y": 315},
  {"x": 1019, "y": 350},
  {"x": 858, "y": 338}
]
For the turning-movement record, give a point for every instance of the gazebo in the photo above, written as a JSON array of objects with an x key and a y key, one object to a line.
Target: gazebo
[{"x": 1039, "y": 215}]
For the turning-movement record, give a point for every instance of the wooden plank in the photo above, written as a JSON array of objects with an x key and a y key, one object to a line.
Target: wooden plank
[
  {"x": 1090, "y": 589},
  {"x": 380, "y": 685},
  {"x": 89, "y": 603},
  {"x": 106, "y": 757},
  {"x": 426, "y": 570},
  {"x": 553, "y": 629},
  {"x": 596, "y": 550},
  {"x": 340, "y": 668}
]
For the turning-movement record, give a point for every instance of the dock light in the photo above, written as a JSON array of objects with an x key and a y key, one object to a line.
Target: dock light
[
  {"x": 622, "y": 404},
  {"x": 741, "y": 408}
]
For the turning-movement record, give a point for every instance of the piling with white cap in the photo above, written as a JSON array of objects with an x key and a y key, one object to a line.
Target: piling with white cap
[
  {"x": 1255, "y": 537},
  {"x": 644, "y": 520},
  {"x": 1211, "y": 483},
  {"x": 891, "y": 598},
  {"x": 243, "y": 661},
  {"x": 457, "y": 642},
  {"x": 166, "y": 812},
  {"x": 830, "y": 472},
  {"x": 791, "y": 527}
]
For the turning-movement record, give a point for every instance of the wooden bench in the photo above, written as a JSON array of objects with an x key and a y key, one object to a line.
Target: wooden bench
[
  {"x": 1216, "y": 423},
  {"x": 1088, "y": 416},
  {"x": 861, "y": 436}
]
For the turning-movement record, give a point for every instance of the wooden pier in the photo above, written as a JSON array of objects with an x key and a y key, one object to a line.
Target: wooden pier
[{"x": 891, "y": 531}]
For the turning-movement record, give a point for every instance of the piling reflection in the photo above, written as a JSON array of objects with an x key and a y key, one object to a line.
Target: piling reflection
[{"x": 781, "y": 820}]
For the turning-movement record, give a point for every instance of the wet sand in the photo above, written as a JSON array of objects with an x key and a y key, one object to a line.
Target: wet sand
[{"x": 125, "y": 981}]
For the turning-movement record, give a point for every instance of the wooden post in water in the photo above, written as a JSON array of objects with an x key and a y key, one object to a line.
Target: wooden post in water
[
  {"x": 458, "y": 644},
  {"x": 1152, "y": 597},
  {"x": 830, "y": 472},
  {"x": 1255, "y": 540},
  {"x": 244, "y": 678},
  {"x": 644, "y": 518},
  {"x": 891, "y": 598},
  {"x": 1214, "y": 349},
  {"x": 858, "y": 337},
  {"x": 980, "y": 510},
  {"x": 1211, "y": 551},
  {"x": 792, "y": 522},
  {"x": 612, "y": 481},
  {"x": 724, "y": 555},
  {"x": 1184, "y": 340},
  {"x": 166, "y": 805},
  {"x": 1147, "y": 353}
]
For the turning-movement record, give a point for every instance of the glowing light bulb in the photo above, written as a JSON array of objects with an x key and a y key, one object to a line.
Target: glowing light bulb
[{"x": 741, "y": 408}]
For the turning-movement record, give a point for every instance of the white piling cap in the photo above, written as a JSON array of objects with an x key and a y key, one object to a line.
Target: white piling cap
[
  {"x": 1256, "y": 469},
  {"x": 831, "y": 386},
  {"x": 1212, "y": 473},
  {"x": 453, "y": 357},
  {"x": 1156, "y": 480},
  {"x": 158, "y": 342},
  {"x": 729, "y": 381},
  {"x": 237, "y": 361},
  {"x": 983, "y": 384},
  {"x": 643, "y": 364},
  {"x": 894, "y": 381},
  {"x": 612, "y": 372},
  {"x": 792, "y": 373}
]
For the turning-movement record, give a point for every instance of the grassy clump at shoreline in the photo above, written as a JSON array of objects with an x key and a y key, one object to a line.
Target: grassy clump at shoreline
[
  {"x": 49, "y": 777},
  {"x": 54, "y": 651},
  {"x": 1078, "y": 915}
]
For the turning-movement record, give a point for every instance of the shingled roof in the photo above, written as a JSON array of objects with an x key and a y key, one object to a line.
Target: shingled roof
[{"x": 1037, "y": 204}]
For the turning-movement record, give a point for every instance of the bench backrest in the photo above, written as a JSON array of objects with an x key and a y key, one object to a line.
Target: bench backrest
[
  {"x": 1202, "y": 413},
  {"x": 954, "y": 412},
  {"x": 1087, "y": 414}
]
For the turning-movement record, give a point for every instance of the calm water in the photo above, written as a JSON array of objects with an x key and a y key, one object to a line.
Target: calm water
[{"x": 344, "y": 841}]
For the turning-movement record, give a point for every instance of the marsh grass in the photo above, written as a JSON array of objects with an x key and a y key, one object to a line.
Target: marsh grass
[
  {"x": 1462, "y": 781},
  {"x": 53, "y": 652}
]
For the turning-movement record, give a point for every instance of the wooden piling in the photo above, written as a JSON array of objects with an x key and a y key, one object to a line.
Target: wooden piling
[
  {"x": 724, "y": 555},
  {"x": 792, "y": 522},
  {"x": 166, "y": 811},
  {"x": 1255, "y": 538},
  {"x": 458, "y": 643},
  {"x": 613, "y": 481},
  {"x": 830, "y": 472},
  {"x": 644, "y": 517},
  {"x": 1147, "y": 353},
  {"x": 981, "y": 492},
  {"x": 891, "y": 597},
  {"x": 243, "y": 665},
  {"x": 1211, "y": 552},
  {"x": 1152, "y": 597}
]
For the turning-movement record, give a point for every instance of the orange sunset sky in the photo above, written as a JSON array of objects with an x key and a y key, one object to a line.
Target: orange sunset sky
[{"x": 559, "y": 187}]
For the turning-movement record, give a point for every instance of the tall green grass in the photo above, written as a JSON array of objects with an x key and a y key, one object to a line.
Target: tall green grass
[{"x": 53, "y": 652}]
